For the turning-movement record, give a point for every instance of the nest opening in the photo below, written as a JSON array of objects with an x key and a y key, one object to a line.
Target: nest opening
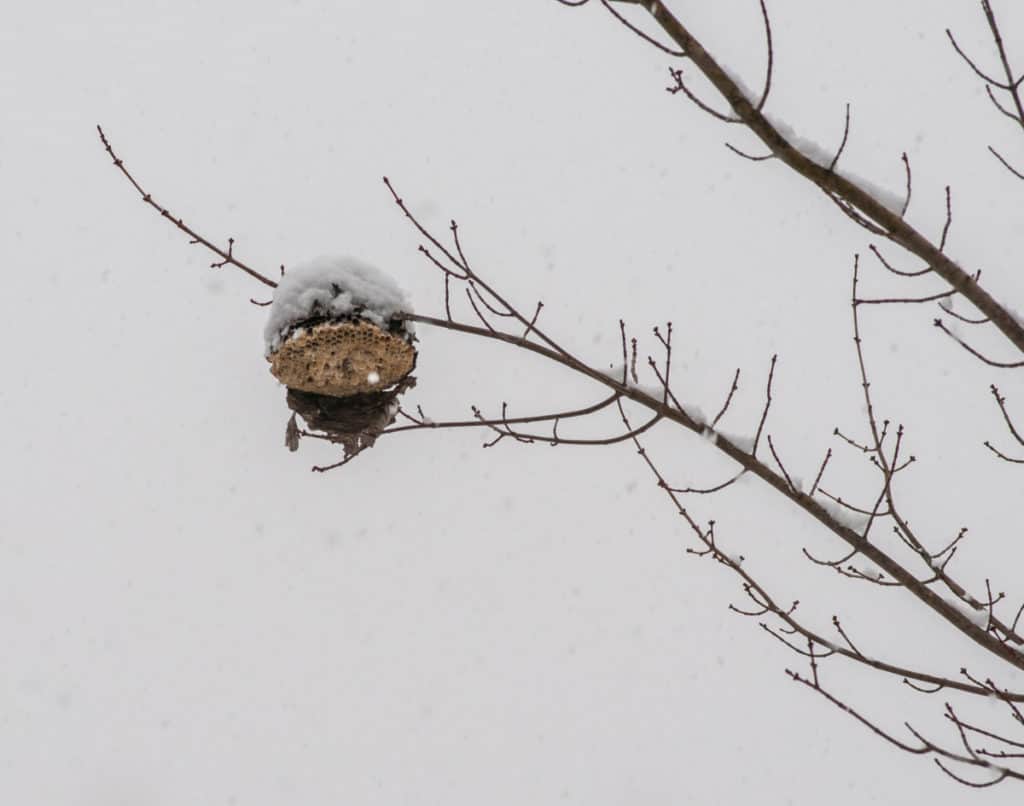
[{"x": 340, "y": 357}]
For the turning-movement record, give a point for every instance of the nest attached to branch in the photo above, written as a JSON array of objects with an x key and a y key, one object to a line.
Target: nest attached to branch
[{"x": 344, "y": 378}]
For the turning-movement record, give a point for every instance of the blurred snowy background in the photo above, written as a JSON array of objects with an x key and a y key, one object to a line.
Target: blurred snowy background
[{"x": 188, "y": 615}]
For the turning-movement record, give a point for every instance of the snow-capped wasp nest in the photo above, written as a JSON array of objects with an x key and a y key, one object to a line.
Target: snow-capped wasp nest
[{"x": 337, "y": 339}]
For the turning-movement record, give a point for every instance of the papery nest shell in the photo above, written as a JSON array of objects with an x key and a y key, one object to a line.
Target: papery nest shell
[{"x": 354, "y": 421}]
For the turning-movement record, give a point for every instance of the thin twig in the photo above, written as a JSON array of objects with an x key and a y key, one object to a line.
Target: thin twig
[{"x": 227, "y": 257}]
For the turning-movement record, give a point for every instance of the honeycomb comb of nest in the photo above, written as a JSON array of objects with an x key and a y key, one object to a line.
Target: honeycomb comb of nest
[{"x": 342, "y": 358}]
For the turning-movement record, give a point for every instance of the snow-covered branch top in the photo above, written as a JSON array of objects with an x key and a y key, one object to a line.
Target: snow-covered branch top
[{"x": 334, "y": 286}]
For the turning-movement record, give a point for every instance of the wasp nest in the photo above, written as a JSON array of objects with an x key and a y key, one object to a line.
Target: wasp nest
[
  {"x": 339, "y": 359},
  {"x": 338, "y": 338}
]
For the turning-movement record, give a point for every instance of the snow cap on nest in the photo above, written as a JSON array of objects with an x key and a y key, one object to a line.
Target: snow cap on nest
[{"x": 334, "y": 286}]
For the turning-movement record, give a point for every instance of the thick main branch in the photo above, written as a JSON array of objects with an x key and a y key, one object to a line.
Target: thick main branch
[
  {"x": 830, "y": 182},
  {"x": 751, "y": 463}
]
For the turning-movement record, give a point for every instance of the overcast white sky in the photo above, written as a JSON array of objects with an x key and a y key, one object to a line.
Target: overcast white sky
[{"x": 188, "y": 615}]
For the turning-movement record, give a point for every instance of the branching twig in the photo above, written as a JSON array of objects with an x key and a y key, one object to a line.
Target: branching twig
[
  {"x": 227, "y": 257},
  {"x": 855, "y": 201}
]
